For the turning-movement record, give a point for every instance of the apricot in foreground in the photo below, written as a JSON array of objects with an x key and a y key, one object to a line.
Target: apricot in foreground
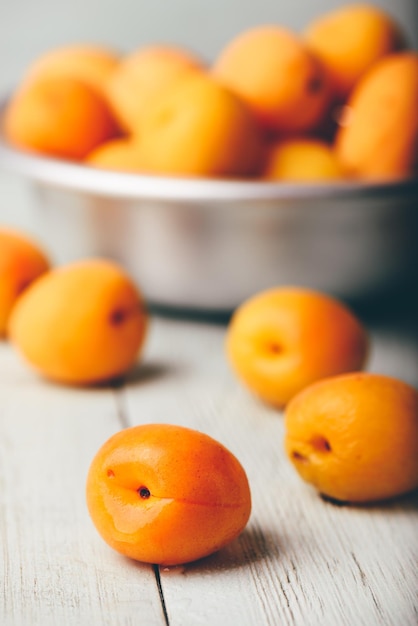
[
  {"x": 82, "y": 323},
  {"x": 284, "y": 339},
  {"x": 167, "y": 494},
  {"x": 355, "y": 437},
  {"x": 21, "y": 262}
]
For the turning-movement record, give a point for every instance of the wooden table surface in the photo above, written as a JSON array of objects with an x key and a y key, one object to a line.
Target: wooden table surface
[{"x": 300, "y": 561}]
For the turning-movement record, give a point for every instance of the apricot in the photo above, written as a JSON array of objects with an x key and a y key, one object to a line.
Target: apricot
[
  {"x": 93, "y": 64},
  {"x": 142, "y": 78},
  {"x": 379, "y": 136},
  {"x": 21, "y": 262},
  {"x": 118, "y": 154},
  {"x": 201, "y": 128},
  {"x": 280, "y": 79},
  {"x": 355, "y": 437},
  {"x": 81, "y": 323},
  {"x": 167, "y": 494},
  {"x": 284, "y": 339},
  {"x": 60, "y": 117},
  {"x": 302, "y": 160},
  {"x": 350, "y": 39}
]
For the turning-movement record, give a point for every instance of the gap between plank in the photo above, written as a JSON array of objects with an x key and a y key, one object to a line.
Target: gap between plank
[
  {"x": 121, "y": 408},
  {"x": 156, "y": 569},
  {"x": 124, "y": 422}
]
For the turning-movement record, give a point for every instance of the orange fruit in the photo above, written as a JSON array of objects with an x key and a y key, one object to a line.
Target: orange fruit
[
  {"x": 167, "y": 494},
  {"x": 355, "y": 437},
  {"x": 280, "y": 79},
  {"x": 200, "y": 128},
  {"x": 62, "y": 117},
  {"x": 21, "y": 262},
  {"x": 302, "y": 160},
  {"x": 379, "y": 137},
  {"x": 350, "y": 39},
  {"x": 283, "y": 339},
  {"x": 92, "y": 64},
  {"x": 81, "y": 323},
  {"x": 118, "y": 154},
  {"x": 143, "y": 77}
]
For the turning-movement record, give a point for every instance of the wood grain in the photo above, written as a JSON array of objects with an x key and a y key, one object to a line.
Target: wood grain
[{"x": 300, "y": 561}]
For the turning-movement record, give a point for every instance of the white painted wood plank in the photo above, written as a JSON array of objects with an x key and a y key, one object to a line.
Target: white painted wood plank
[
  {"x": 301, "y": 560},
  {"x": 56, "y": 570}
]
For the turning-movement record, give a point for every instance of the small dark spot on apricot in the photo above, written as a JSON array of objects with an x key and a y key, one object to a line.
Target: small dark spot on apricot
[
  {"x": 274, "y": 347},
  {"x": 144, "y": 493},
  {"x": 22, "y": 286},
  {"x": 320, "y": 443},
  {"x": 117, "y": 317},
  {"x": 314, "y": 84},
  {"x": 297, "y": 456},
  {"x": 110, "y": 473}
]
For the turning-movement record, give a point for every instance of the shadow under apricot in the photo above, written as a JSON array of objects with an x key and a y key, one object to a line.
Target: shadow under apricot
[
  {"x": 398, "y": 504},
  {"x": 253, "y": 545},
  {"x": 144, "y": 373}
]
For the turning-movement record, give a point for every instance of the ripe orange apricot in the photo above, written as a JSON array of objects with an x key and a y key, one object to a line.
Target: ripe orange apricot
[
  {"x": 302, "y": 160},
  {"x": 21, "y": 262},
  {"x": 201, "y": 128},
  {"x": 61, "y": 117},
  {"x": 355, "y": 437},
  {"x": 167, "y": 494},
  {"x": 379, "y": 139},
  {"x": 282, "y": 81},
  {"x": 142, "y": 78},
  {"x": 81, "y": 323},
  {"x": 350, "y": 39},
  {"x": 283, "y": 339},
  {"x": 93, "y": 64},
  {"x": 118, "y": 154}
]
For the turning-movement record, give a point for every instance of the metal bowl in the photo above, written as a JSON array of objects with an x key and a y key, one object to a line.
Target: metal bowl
[{"x": 210, "y": 244}]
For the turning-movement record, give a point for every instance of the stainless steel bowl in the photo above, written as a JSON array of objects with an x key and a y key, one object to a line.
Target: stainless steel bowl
[{"x": 210, "y": 244}]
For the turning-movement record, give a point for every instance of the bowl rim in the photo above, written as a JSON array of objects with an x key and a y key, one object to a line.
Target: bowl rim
[{"x": 102, "y": 182}]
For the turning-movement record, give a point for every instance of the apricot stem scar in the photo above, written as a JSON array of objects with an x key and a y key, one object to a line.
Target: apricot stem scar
[
  {"x": 144, "y": 493},
  {"x": 320, "y": 443},
  {"x": 299, "y": 457},
  {"x": 117, "y": 317}
]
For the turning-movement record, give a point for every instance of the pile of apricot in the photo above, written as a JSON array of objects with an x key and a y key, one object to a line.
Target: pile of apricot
[
  {"x": 166, "y": 494},
  {"x": 336, "y": 101},
  {"x": 83, "y": 323}
]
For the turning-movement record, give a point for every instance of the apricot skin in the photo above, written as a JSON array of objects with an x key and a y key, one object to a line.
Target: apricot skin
[
  {"x": 167, "y": 494},
  {"x": 284, "y": 339},
  {"x": 302, "y": 160},
  {"x": 21, "y": 262},
  {"x": 92, "y": 64},
  {"x": 83, "y": 323},
  {"x": 380, "y": 138},
  {"x": 59, "y": 116},
  {"x": 355, "y": 437},
  {"x": 142, "y": 79},
  {"x": 350, "y": 40},
  {"x": 272, "y": 70},
  {"x": 201, "y": 128}
]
